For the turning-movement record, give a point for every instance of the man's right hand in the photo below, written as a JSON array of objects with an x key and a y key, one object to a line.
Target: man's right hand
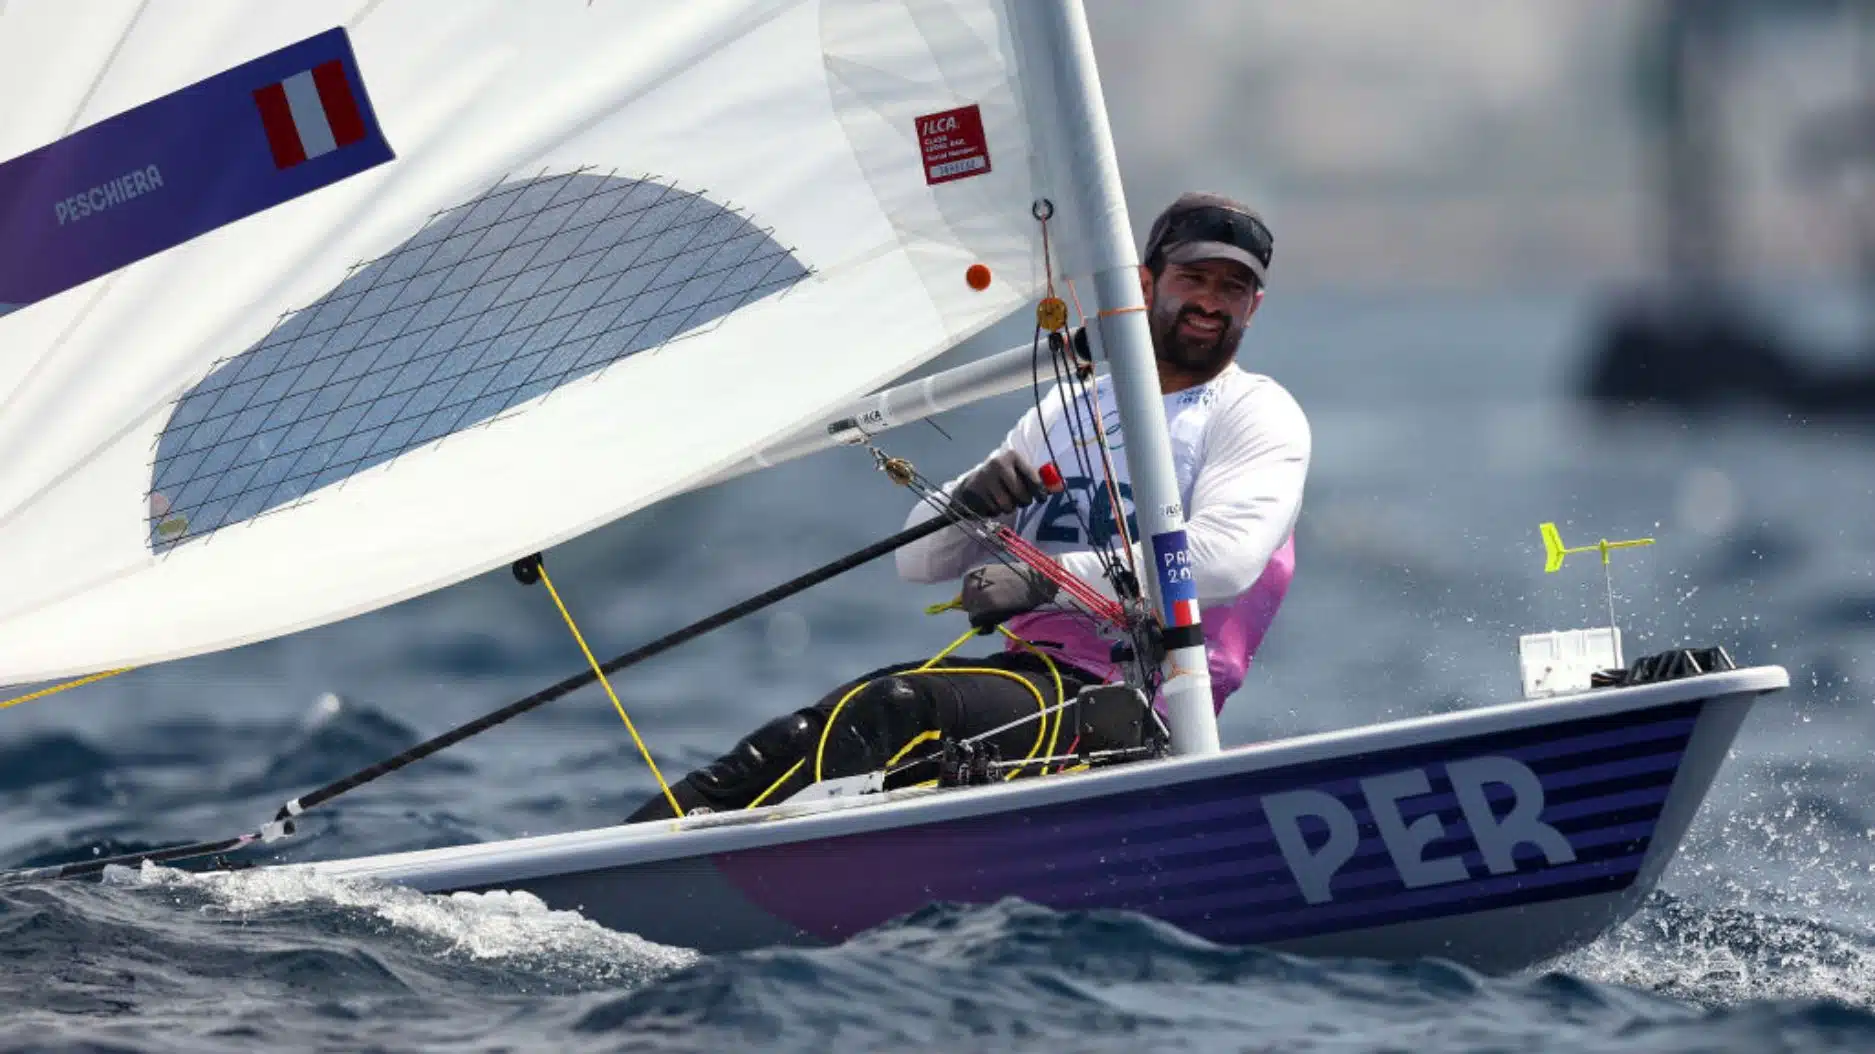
[{"x": 1001, "y": 485}]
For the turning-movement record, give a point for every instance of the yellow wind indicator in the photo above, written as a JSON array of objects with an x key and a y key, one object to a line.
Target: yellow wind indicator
[{"x": 1555, "y": 552}]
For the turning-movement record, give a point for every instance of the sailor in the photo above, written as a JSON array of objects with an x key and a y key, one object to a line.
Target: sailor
[{"x": 1240, "y": 449}]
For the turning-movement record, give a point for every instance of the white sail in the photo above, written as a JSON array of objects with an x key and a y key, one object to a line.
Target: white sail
[{"x": 620, "y": 246}]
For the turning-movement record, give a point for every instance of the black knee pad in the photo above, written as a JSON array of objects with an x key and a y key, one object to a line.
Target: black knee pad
[
  {"x": 876, "y": 722},
  {"x": 761, "y": 757},
  {"x": 893, "y": 695}
]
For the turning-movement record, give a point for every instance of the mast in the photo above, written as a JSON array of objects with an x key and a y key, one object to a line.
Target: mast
[{"x": 1127, "y": 341}]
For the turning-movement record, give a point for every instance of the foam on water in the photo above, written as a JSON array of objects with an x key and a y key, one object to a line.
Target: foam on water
[{"x": 516, "y": 929}]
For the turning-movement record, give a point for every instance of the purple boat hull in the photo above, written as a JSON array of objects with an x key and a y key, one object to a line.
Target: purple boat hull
[{"x": 1497, "y": 837}]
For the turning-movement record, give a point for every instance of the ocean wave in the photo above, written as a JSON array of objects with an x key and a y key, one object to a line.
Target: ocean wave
[{"x": 1013, "y": 976}]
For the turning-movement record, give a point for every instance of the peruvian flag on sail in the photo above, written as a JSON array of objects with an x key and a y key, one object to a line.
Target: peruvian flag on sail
[
  {"x": 1185, "y": 613},
  {"x": 309, "y": 114}
]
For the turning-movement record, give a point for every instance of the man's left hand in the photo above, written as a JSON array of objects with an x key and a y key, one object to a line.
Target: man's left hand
[{"x": 996, "y": 592}]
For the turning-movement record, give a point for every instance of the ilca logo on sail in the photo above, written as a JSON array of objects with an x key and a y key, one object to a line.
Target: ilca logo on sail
[{"x": 1497, "y": 833}]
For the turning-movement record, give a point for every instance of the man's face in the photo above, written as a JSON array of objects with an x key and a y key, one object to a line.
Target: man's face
[{"x": 1198, "y": 311}]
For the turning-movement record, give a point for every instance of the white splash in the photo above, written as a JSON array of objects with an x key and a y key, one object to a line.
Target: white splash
[
  {"x": 1792, "y": 932},
  {"x": 1711, "y": 963},
  {"x": 512, "y": 927}
]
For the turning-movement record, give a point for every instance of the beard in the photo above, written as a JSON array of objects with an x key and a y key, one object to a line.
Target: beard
[{"x": 1171, "y": 343}]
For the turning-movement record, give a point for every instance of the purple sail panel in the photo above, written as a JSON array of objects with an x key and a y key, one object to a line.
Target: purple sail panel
[{"x": 182, "y": 165}]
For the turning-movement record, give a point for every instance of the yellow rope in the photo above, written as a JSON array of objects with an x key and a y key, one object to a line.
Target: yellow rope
[
  {"x": 821, "y": 749},
  {"x": 1041, "y": 732},
  {"x": 948, "y": 648},
  {"x": 762, "y": 797},
  {"x": 820, "y": 752},
  {"x": 1061, "y": 697},
  {"x": 923, "y": 737},
  {"x": 57, "y": 688},
  {"x": 676, "y": 810}
]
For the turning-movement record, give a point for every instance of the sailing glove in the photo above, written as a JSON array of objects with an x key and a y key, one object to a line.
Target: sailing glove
[
  {"x": 996, "y": 592},
  {"x": 1001, "y": 485}
]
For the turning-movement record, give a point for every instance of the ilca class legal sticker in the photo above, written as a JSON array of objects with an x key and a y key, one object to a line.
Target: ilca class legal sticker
[
  {"x": 1176, "y": 584},
  {"x": 954, "y": 145}
]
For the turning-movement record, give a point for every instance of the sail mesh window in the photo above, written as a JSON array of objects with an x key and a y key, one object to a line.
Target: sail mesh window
[{"x": 534, "y": 285}]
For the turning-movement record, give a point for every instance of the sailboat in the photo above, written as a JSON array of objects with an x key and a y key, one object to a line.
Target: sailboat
[{"x": 313, "y": 309}]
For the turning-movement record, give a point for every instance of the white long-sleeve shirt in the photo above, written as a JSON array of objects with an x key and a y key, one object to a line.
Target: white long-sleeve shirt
[{"x": 1240, "y": 450}]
